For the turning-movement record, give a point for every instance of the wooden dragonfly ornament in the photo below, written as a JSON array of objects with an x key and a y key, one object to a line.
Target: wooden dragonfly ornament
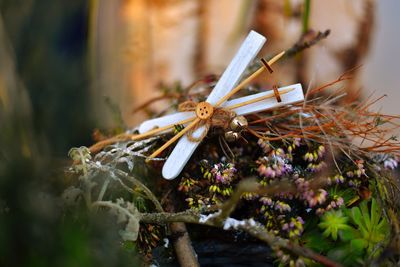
[{"x": 197, "y": 119}]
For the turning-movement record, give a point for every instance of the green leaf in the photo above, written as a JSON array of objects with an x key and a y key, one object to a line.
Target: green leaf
[
  {"x": 346, "y": 254},
  {"x": 356, "y": 215},
  {"x": 375, "y": 214},
  {"x": 358, "y": 244},
  {"x": 332, "y": 222},
  {"x": 347, "y": 235},
  {"x": 366, "y": 216},
  {"x": 372, "y": 227},
  {"x": 315, "y": 241}
]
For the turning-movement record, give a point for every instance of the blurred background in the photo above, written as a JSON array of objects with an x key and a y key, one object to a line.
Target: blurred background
[{"x": 69, "y": 67}]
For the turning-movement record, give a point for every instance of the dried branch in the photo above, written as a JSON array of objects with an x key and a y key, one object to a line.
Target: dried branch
[
  {"x": 221, "y": 219},
  {"x": 182, "y": 244},
  {"x": 144, "y": 188},
  {"x": 259, "y": 232},
  {"x": 302, "y": 44},
  {"x": 97, "y": 147},
  {"x": 254, "y": 229}
]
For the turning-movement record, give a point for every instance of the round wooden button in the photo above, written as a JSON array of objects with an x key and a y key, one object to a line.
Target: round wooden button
[{"x": 204, "y": 110}]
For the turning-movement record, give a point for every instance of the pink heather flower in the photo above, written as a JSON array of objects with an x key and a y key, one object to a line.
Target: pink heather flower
[
  {"x": 223, "y": 173},
  {"x": 339, "y": 179},
  {"x": 278, "y": 152},
  {"x": 308, "y": 157},
  {"x": 321, "y": 197},
  {"x": 339, "y": 201},
  {"x": 266, "y": 201},
  {"x": 282, "y": 207},
  {"x": 314, "y": 199},
  {"x": 315, "y": 167},
  {"x": 321, "y": 151},
  {"x": 387, "y": 161},
  {"x": 273, "y": 166},
  {"x": 390, "y": 164},
  {"x": 266, "y": 171},
  {"x": 300, "y": 263},
  {"x": 328, "y": 181},
  {"x": 301, "y": 184},
  {"x": 266, "y": 147},
  {"x": 296, "y": 141},
  {"x": 320, "y": 211},
  {"x": 360, "y": 163},
  {"x": 360, "y": 168},
  {"x": 294, "y": 227}
]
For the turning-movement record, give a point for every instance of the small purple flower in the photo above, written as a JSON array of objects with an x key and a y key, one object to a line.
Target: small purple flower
[
  {"x": 265, "y": 145},
  {"x": 308, "y": 157},
  {"x": 339, "y": 202},
  {"x": 316, "y": 167},
  {"x": 223, "y": 173},
  {"x": 294, "y": 228},
  {"x": 282, "y": 206},
  {"x": 320, "y": 211},
  {"x": 321, "y": 151},
  {"x": 296, "y": 141},
  {"x": 274, "y": 165},
  {"x": 339, "y": 179},
  {"x": 315, "y": 198},
  {"x": 266, "y": 201},
  {"x": 390, "y": 164}
]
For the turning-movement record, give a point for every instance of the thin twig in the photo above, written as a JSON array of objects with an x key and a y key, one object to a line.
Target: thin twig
[
  {"x": 249, "y": 226},
  {"x": 144, "y": 188},
  {"x": 301, "y": 45}
]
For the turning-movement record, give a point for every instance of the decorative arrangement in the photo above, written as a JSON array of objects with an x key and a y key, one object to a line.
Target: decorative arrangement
[{"x": 311, "y": 178}]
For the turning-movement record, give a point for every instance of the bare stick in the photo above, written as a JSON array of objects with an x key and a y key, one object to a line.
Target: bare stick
[
  {"x": 254, "y": 229},
  {"x": 300, "y": 46},
  {"x": 249, "y": 79},
  {"x": 261, "y": 98},
  {"x": 161, "y": 129},
  {"x": 173, "y": 139}
]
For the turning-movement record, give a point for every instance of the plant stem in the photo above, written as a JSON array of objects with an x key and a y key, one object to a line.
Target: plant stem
[
  {"x": 302, "y": 45},
  {"x": 306, "y": 15},
  {"x": 103, "y": 189},
  {"x": 256, "y": 231},
  {"x": 144, "y": 188}
]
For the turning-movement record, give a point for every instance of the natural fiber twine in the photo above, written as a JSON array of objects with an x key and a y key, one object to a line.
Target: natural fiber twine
[{"x": 221, "y": 118}]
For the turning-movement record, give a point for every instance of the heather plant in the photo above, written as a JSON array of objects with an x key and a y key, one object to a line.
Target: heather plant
[
  {"x": 308, "y": 198},
  {"x": 295, "y": 177}
]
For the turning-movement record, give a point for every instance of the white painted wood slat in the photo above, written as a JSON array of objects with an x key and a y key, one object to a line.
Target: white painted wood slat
[
  {"x": 288, "y": 98},
  {"x": 294, "y": 96},
  {"x": 185, "y": 148}
]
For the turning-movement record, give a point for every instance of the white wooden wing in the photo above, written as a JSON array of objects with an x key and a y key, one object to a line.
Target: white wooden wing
[
  {"x": 296, "y": 95},
  {"x": 293, "y": 96},
  {"x": 165, "y": 120},
  {"x": 185, "y": 148}
]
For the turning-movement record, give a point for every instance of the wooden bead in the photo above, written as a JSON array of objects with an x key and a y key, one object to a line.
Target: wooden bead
[{"x": 204, "y": 110}]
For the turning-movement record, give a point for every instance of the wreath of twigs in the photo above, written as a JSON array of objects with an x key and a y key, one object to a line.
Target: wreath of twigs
[{"x": 353, "y": 130}]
